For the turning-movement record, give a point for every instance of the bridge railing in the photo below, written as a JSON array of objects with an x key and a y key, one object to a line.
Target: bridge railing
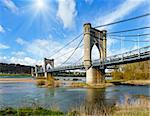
[
  {"x": 145, "y": 50},
  {"x": 118, "y": 57},
  {"x": 69, "y": 67},
  {"x": 138, "y": 53},
  {"x": 127, "y": 55}
]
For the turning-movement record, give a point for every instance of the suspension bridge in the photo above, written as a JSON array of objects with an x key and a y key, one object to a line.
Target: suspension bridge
[{"x": 93, "y": 36}]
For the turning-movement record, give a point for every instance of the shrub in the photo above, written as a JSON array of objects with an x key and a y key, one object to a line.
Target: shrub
[{"x": 40, "y": 82}]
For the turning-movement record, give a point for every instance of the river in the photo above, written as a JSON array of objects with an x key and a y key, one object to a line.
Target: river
[{"x": 28, "y": 94}]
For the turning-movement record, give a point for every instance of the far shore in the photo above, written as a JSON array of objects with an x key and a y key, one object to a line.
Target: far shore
[
  {"x": 4, "y": 74},
  {"x": 129, "y": 82},
  {"x": 137, "y": 82},
  {"x": 80, "y": 84},
  {"x": 16, "y": 80}
]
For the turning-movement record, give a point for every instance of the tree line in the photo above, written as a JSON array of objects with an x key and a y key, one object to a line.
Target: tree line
[{"x": 134, "y": 71}]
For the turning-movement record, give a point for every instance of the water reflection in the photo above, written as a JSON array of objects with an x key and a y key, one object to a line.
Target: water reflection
[
  {"x": 26, "y": 94},
  {"x": 94, "y": 95},
  {"x": 96, "y": 102}
]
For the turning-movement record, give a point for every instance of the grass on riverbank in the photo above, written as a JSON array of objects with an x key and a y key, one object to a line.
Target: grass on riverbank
[
  {"x": 42, "y": 82},
  {"x": 30, "y": 112},
  {"x": 138, "y": 82},
  {"x": 54, "y": 83},
  {"x": 78, "y": 85},
  {"x": 93, "y": 86},
  {"x": 129, "y": 82},
  {"x": 112, "y": 81},
  {"x": 15, "y": 74},
  {"x": 140, "y": 107}
]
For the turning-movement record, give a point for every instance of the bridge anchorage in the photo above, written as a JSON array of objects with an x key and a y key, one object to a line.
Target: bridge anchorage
[{"x": 93, "y": 37}]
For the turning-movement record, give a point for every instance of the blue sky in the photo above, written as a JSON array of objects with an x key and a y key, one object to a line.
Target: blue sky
[{"x": 29, "y": 31}]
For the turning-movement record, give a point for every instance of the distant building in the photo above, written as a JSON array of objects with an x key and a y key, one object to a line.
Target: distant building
[{"x": 15, "y": 69}]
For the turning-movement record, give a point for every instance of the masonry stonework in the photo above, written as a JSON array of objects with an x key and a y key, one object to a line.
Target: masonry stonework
[{"x": 93, "y": 37}]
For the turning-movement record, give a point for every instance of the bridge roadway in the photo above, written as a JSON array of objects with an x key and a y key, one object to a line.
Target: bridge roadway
[{"x": 137, "y": 55}]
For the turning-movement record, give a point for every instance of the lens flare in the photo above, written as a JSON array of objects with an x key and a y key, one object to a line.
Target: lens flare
[{"x": 40, "y": 4}]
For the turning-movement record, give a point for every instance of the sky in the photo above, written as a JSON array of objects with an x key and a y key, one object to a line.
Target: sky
[{"x": 31, "y": 30}]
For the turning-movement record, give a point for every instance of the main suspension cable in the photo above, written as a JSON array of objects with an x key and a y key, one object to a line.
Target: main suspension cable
[
  {"x": 66, "y": 53},
  {"x": 135, "y": 29},
  {"x": 128, "y": 40},
  {"x": 130, "y": 35},
  {"x": 121, "y": 21},
  {"x": 57, "y": 51},
  {"x": 72, "y": 52},
  {"x": 78, "y": 60}
]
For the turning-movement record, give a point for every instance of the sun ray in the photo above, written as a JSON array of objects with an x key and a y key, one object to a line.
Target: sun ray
[
  {"x": 40, "y": 15},
  {"x": 41, "y": 5}
]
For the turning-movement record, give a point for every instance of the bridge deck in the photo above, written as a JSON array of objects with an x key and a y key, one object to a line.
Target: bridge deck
[{"x": 137, "y": 55}]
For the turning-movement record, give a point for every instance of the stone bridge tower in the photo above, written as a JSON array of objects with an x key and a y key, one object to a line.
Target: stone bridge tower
[
  {"x": 93, "y": 37},
  {"x": 46, "y": 62},
  {"x": 37, "y": 68}
]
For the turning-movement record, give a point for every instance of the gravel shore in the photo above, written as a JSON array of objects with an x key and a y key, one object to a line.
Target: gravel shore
[{"x": 16, "y": 80}]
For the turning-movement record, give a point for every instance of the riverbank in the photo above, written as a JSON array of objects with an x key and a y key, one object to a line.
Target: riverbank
[
  {"x": 69, "y": 84},
  {"x": 15, "y": 74},
  {"x": 17, "y": 80},
  {"x": 52, "y": 84},
  {"x": 30, "y": 111},
  {"x": 129, "y": 82},
  {"x": 75, "y": 84},
  {"x": 92, "y": 86},
  {"x": 140, "y": 108},
  {"x": 137, "y": 82}
]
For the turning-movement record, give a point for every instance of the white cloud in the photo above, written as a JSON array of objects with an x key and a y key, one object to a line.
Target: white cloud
[
  {"x": 1, "y": 29},
  {"x": 45, "y": 48},
  {"x": 147, "y": 22},
  {"x": 3, "y": 59},
  {"x": 38, "y": 49},
  {"x": 19, "y": 54},
  {"x": 2, "y": 46},
  {"x": 21, "y": 41},
  {"x": 20, "y": 57},
  {"x": 41, "y": 48},
  {"x": 23, "y": 60},
  {"x": 67, "y": 12},
  {"x": 10, "y": 5},
  {"x": 20, "y": 60},
  {"x": 121, "y": 11},
  {"x": 122, "y": 50}
]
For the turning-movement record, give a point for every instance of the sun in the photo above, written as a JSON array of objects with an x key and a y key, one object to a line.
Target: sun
[{"x": 40, "y": 4}]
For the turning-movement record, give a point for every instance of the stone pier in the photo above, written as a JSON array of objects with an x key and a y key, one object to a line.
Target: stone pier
[
  {"x": 93, "y": 37},
  {"x": 94, "y": 75}
]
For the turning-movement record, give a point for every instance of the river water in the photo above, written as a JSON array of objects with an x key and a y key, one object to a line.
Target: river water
[{"x": 28, "y": 94}]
